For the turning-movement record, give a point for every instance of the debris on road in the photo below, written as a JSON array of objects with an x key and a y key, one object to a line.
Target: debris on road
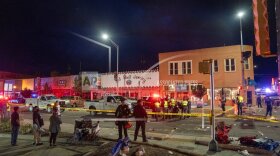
[{"x": 244, "y": 152}]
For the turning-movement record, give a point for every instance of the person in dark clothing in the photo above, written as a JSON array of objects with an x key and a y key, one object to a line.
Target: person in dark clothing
[
  {"x": 189, "y": 107},
  {"x": 140, "y": 114},
  {"x": 268, "y": 103},
  {"x": 122, "y": 112},
  {"x": 15, "y": 126},
  {"x": 223, "y": 103},
  {"x": 259, "y": 101},
  {"x": 54, "y": 127},
  {"x": 37, "y": 124}
]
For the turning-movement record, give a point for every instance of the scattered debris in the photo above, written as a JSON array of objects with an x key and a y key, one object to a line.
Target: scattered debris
[
  {"x": 261, "y": 133},
  {"x": 170, "y": 152},
  {"x": 244, "y": 152}
]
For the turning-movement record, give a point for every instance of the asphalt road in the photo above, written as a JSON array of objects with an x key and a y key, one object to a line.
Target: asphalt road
[{"x": 191, "y": 126}]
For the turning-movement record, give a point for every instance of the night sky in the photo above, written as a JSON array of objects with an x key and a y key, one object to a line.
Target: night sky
[{"x": 35, "y": 38}]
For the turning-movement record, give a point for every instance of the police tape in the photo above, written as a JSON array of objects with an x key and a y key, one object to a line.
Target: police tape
[
  {"x": 158, "y": 113},
  {"x": 179, "y": 114},
  {"x": 253, "y": 118}
]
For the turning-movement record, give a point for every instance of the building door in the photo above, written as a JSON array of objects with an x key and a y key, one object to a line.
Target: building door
[{"x": 249, "y": 98}]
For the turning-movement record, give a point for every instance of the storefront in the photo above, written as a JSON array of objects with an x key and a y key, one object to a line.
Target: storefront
[{"x": 132, "y": 84}]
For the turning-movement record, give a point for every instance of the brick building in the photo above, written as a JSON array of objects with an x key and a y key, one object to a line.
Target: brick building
[{"x": 179, "y": 71}]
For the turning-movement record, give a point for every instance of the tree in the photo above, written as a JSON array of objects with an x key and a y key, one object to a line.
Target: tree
[
  {"x": 78, "y": 85},
  {"x": 199, "y": 92},
  {"x": 26, "y": 93}
]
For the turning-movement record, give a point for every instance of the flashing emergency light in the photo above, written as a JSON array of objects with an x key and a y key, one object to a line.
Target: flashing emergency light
[
  {"x": 34, "y": 95},
  {"x": 268, "y": 90},
  {"x": 156, "y": 95},
  {"x": 239, "y": 87},
  {"x": 6, "y": 98},
  {"x": 1, "y": 97}
]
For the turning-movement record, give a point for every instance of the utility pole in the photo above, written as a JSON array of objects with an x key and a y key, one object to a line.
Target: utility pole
[
  {"x": 277, "y": 13},
  {"x": 207, "y": 67}
]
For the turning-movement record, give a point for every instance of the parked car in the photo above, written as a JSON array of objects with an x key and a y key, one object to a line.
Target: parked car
[
  {"x": 149, "y": 101},
  {"x": 73, "y": 101},
  {"x": 17, "y": 100},
  {"x": 109, "y": 102},
  {"x": 44, "y": 102}
]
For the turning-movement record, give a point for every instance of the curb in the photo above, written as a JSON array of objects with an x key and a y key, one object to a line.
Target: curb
[{"x": 158, "y": 146}]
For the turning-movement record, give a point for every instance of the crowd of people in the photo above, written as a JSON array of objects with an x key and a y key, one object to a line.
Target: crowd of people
[
  {"x": 168, "y": 108},
  {"x": 37, "y": 126},
  {"x": 161, "y": 108}
]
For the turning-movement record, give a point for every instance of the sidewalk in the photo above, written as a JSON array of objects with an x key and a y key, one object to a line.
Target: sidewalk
[{"x": 179, "y": 142}]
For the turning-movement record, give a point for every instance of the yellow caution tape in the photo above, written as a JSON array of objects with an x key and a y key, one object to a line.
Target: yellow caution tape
[
  {"x": 159, "y": 113},
  {"x": 253, "y": 118}
]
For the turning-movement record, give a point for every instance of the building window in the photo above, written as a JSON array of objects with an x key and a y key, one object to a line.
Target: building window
[
  {"x": 246, "y": 64},
  {"x": 173, "y": 68},
  {"x": 229, "y": 65},
  {"x": 189, "y": 67},
  {"x": 171, "y": 71},
  {"x": 184, "y": 68},
  {"x": 176, "y": 68},
  {"x": 216, "y": 68}
]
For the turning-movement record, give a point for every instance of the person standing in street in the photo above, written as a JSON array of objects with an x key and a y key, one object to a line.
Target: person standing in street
[
  {"x": 173, "y": 105},
  {"x": 157, "y": 108},
  {"x": 268, "y": 103},
  {"x": 259, "y": 101},
  {"x": 56, "y": 107},
  {"x": 165, "y": 108},
  {"x": 54, "y": 127},
  {"x": 37, "y": 124},
  {"x": 140, "y": 114},
  {"x": 122, "y": 113},
  {"x": 189, "y": 107},
  {"x": 15, "y": 126},
  {"x": 239, "y": 101},
  {"x": 184, "y": 107},
  {"x": 223, "y": 104}
]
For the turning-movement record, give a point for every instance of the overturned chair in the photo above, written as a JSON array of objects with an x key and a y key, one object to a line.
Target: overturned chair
[{"x": 85, "y": 131}]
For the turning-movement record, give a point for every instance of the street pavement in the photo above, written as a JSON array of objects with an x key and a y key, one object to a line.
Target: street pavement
[
  {"x": 178, "y": 134},
  {"x": 188, "y": 127}
]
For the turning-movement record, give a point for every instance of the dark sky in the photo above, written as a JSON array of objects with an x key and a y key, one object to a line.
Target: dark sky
[{"x": 35, "y": 38}]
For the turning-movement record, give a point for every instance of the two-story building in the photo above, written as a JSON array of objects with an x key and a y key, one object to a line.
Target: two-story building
[{"x": 179, "y": 71}]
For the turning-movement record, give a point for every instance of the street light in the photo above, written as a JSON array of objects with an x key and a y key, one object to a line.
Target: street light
[
  {"x": 107, "y": 37},
  {"x": 240, "y": 15},
  {"x": 98, "y": 43}
]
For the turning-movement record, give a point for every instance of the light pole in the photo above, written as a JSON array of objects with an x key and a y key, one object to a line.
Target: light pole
[
  {"x": 240, "y": 16},
  {"x": 106, "y": 37},
  {"x": 98, "y": 43}
]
